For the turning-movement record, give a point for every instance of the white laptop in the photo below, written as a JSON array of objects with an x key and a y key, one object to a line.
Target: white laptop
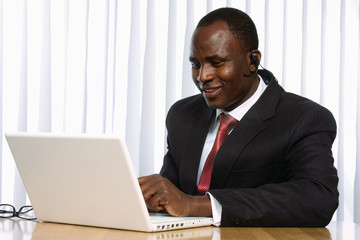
[{"x": 86, "y": 180}]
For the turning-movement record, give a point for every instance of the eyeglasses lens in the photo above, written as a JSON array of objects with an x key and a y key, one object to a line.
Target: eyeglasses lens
[{"x": 6, "y": 211}]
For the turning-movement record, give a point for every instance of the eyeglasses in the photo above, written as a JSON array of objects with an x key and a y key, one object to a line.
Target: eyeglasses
[{"x": 9, "y": 211}]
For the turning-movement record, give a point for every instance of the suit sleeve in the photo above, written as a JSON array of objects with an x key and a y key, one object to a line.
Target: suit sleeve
[
  {"x": 307, "y": 197},
  {"x": 187, "y": 125},
  {"x": 170, "y": 168}
]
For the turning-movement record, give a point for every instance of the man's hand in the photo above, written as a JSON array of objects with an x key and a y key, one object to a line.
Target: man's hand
[{"x": 160, "y": 194}]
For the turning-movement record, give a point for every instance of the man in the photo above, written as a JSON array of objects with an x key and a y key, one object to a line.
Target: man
[{"x": 275, "y": 167}]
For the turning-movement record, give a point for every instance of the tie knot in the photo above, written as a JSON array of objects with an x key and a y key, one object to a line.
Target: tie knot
[{"x": 227, "y": 122}]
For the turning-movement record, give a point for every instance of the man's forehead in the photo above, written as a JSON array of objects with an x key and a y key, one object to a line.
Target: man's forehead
[
  {"x": 211, "y": 34},
  {"x": 212, "y": 37},
  {"x": 212, "y": 28}
]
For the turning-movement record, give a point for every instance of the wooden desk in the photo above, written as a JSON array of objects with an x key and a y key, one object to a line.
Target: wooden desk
[{"x": 20, "y": 230}]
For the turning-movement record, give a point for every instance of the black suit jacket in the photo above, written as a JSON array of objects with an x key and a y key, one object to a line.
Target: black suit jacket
[{"x": 274, "y": 169}]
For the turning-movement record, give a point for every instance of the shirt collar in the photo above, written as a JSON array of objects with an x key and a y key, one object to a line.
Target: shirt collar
[{"x": 241, "y": 110}]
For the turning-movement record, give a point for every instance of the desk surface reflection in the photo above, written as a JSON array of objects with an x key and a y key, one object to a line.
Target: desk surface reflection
[{"x": 20, "y": 230}]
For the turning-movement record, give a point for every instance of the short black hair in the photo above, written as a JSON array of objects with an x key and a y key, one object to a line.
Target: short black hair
[{"x": 239, "y": 24}]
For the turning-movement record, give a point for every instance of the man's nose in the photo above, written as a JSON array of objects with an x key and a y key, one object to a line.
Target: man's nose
[{"x": 206, "y": 73}]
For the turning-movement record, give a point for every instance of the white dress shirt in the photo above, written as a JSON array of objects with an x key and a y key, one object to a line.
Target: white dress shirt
[{"x": 238, "y": 114}]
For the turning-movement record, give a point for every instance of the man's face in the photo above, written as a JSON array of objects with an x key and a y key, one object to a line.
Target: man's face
[{"x": 218, "y": 65}]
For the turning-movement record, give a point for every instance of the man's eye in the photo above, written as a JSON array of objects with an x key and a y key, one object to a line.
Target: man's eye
[
  {"x": 217, "y": 63},
  {"x": 195, "y": 65}
]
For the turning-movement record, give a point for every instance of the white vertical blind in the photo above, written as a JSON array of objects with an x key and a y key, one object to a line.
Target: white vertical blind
[
  {"x": 44, "y": 123},
  {"x": 133, "y": 114},
  {"x": 148, "y": 107},
  {"x": 172, "y": 45},
  {"x": 109, "y": 92},
  {"x": 341, "y": 129},
  {"x": 116, "y": 67},
  {"x": 357, "y": 139},
  {"x": 188, "y": 86},
  {"x": 1, "y": 92},
  {"x": 19, "y": 190}
]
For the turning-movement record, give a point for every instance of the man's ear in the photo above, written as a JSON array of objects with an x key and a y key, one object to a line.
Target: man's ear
[{"x": 255, "y": 58}]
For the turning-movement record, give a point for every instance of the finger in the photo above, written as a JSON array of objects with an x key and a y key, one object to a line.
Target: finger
[
  {"x": 149, "y": 180},
  {"x": 145, "y": 179},
  {"x": 151, "y": 185},
  {"x": 157, "y": 201},
  {"x": 154, "y": 209}
]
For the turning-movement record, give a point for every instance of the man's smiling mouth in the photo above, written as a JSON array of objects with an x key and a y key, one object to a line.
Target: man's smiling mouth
[
  {"x": 208, "y": 90},
  {"x": 211, "y": 90}
]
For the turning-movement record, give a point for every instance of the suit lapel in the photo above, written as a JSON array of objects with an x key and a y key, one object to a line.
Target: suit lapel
[{"x": 249, "y": 126}]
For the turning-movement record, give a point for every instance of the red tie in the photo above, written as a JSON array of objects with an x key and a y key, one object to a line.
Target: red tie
[{"x": 227, "y": 123}]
